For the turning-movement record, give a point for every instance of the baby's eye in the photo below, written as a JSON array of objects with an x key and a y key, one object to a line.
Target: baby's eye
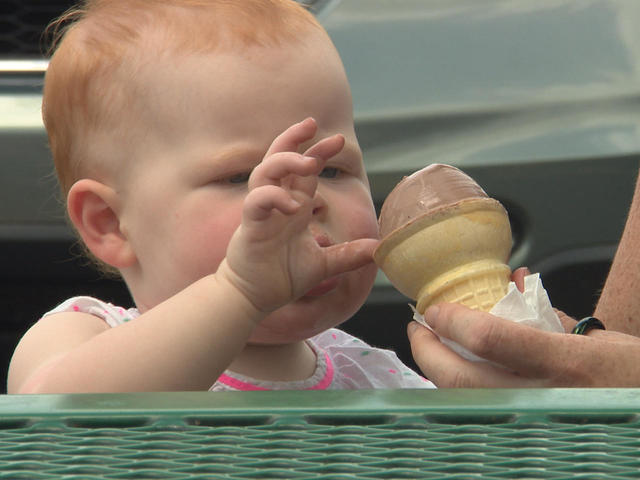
[
  {"x": 329, "y": 172},
  {"x": 239, "y": 177}
]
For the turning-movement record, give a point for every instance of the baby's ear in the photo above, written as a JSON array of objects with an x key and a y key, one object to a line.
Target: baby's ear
[{"x": 94, "y": 209}]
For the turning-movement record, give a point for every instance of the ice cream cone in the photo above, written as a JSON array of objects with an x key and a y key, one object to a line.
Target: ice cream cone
[{"x": 456, "y": 253}]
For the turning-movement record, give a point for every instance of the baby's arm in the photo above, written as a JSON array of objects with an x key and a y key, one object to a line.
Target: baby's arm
[
  {"x": 185, "y": 342},
  {"x": 177, "y": 345}
]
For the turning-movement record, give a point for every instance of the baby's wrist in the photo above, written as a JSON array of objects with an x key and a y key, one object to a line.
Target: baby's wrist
[{"x": 224, "y": 278}]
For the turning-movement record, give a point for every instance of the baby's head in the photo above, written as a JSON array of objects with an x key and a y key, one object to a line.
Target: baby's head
[
  {"x": 156, "y": 112},
  {"x": 96, "y": 89}
]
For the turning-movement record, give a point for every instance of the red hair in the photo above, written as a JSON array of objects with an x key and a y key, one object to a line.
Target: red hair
[{"x": 90, "y": 84}]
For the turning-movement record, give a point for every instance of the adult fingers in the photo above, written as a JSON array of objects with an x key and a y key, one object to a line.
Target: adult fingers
[
  {"x": 447, "y": 369},
  {"x": 567, "y": 322},
  {"x": 518, "y": 277},
  {"x": 534, "y": 353}
]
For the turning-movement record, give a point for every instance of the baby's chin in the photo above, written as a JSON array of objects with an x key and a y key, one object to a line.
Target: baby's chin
[
  {"x": 282, "y": 335},
  {"x": 299, "y": 321},
  {"x": 323, "y": 308}
]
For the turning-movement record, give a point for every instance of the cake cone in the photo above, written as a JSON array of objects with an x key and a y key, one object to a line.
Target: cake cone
[{"x": 456, "y": 253}]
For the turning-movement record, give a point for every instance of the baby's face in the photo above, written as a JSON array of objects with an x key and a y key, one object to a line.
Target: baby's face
[{"x": 211, "y": 119}]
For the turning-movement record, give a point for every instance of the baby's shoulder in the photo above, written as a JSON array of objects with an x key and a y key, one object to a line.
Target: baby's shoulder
[{"x": 49, "y": 339}]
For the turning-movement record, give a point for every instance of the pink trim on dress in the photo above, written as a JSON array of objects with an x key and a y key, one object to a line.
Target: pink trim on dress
[
  {"x": 328, "y": 376},
  {"x": 323, "y": 384},
  {"x": 238, "y": 384}
]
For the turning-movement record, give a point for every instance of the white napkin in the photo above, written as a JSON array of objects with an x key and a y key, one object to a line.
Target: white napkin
[{"x": 531, "y": 308}]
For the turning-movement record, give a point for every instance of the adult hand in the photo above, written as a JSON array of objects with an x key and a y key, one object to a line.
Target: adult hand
[{"x": 520, "y": 356}]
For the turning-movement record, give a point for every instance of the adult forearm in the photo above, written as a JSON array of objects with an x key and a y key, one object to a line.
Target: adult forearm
[{"x": 619, "y": 304}]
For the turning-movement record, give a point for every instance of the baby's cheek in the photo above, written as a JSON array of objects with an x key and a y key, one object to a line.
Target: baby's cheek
[
  {"x": 363, "y": 223},
  {"x": 210, "y": 241}
]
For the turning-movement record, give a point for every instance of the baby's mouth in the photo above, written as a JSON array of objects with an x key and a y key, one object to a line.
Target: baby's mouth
[{"x": 323, "y": 240}]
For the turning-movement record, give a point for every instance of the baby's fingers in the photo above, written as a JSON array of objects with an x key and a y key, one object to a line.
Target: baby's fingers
[
  {"x": 348, "y": 256},
  {"x": 292, "y": 137},
  {"x": 327, "y": 147},
  {"x": 260, "y": 203},
  {"x": 275, "y": 168}
]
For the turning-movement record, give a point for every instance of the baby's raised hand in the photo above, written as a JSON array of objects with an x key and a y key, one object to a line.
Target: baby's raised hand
[{"x": 273, "y": 257}]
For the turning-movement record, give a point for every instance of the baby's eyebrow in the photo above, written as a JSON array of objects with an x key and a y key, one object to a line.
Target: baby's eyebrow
[
  {"x": 351, "y": 148},
  {"x": 231, "y": 159},
  {"x": 239, "y": 153}
]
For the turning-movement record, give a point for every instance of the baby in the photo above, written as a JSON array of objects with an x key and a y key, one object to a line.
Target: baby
[{"x": 207, "y": 152}]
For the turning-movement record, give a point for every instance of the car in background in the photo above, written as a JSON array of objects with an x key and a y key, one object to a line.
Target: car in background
[{"x": 538, "y": 100}]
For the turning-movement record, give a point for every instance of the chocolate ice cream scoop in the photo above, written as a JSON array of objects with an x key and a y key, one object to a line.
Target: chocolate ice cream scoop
[
  {"x": 424, "y": 191},
  {"x": 444, "y": 240}
]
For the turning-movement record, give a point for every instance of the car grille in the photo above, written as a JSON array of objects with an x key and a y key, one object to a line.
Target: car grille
[{"x": 22, "y": 23}]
